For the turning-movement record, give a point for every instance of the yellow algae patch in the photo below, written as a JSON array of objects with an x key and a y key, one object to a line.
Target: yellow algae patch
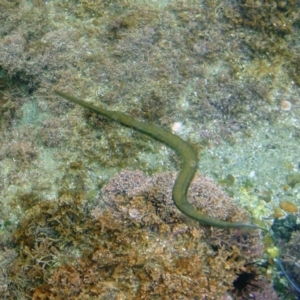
[
  {"x": 288, "y": 206},
  {"x": 273, "y": 252},
  {"x": 278, "y": 213}
]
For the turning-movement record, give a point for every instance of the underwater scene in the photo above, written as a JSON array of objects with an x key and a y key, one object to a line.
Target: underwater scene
[{"x": 149, "y": 149}]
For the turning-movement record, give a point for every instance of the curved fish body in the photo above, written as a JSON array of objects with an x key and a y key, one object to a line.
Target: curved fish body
[{"x": 188, "y": 157}]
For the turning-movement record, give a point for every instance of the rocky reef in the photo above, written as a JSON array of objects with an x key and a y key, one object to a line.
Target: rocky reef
[
  {"x": 133, "y": 243},
  {"x": 225, "y": 73}
]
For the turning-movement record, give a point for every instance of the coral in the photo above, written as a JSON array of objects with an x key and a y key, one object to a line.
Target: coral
[{"x": 132, "y": 244}]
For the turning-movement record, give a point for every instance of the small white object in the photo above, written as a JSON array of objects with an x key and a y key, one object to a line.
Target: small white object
[
  {"x": 252, "y": 174},
  {"x": 177, "y": 127}
]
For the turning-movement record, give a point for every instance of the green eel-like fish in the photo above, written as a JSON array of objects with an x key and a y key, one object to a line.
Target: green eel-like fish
[{"x": 183, "y": 150}]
